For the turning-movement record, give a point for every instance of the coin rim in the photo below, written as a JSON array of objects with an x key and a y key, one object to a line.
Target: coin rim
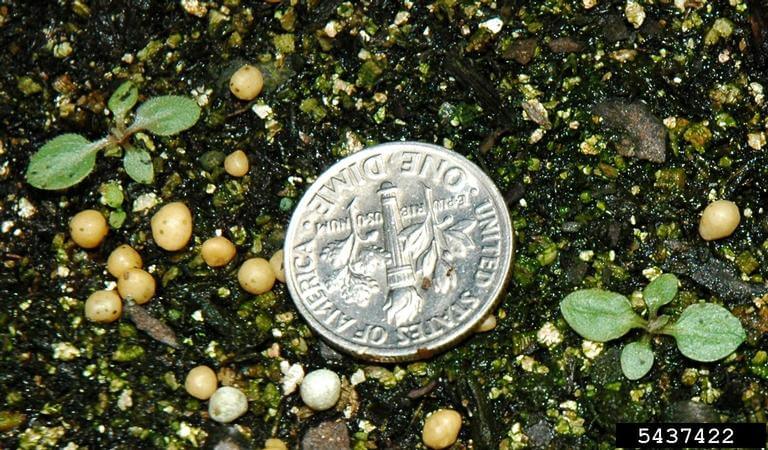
[{"x": 429, "y": 348}]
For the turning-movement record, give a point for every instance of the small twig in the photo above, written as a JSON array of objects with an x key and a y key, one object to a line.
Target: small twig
[
  {"x": 278, "y": 415},
  {"x": 422, "y": 391},
  {"x": 490, "y": 141},
  {"x": 416, "y": 414},
  {"x": 155, "y": 328},
  {"x": 237, "y": 112}
]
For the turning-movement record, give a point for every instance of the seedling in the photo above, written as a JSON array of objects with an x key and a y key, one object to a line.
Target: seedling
[
  {"x": 67, "y": 159},
  {"x": 703, "y": 332}
]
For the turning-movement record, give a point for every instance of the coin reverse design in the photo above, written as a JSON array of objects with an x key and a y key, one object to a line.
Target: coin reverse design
[{"x": 398, "y": 251}]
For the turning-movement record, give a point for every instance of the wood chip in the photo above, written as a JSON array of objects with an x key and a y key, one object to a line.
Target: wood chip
[{"x": 155, "y": 328}]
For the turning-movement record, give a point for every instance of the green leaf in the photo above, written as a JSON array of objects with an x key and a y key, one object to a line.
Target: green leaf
[
  {"x": 659, "y": 292},
  {"x": 599, "y": 315},
  {"x": 707, "y": 332},
  {"x": 112, "y": 194},
  {"x": 138, "y": 164},
  {"x": 123, "y": 99},
  {"x": 166, "y": 115},
  {"x": 636, "y": 360},
  {"x": 657, "y": 324},
  {"x": 62, "y": 162},
  {"x": 116, "y": 218}
]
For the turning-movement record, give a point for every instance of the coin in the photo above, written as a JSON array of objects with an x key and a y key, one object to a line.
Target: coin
[{"x": 398, "y": 251}]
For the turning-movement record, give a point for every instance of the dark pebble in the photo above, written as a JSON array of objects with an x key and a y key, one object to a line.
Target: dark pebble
[
  {"x": 644, "y": 136},
  {"x": 521, "y": 51},
  {"x": 540, "y": 434},
  {"x": 615, "y": 29},
  {"x": 565, "y": 45},
  {"x": 327, "y": 436}
]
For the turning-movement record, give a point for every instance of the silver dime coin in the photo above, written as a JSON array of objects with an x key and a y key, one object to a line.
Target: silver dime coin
[{"x": 398, "y": 251}]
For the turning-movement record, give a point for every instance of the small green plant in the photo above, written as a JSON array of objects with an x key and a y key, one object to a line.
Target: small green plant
[
  {"x": 67, "y": 159},
  {"x": 112, "y": 196},
  {"x": 704, "y": 331}
]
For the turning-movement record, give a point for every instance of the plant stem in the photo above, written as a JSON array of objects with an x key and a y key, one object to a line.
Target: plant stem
[
  {"x": 120, "y": 124},
  {"x": 668, "y": 329},
  {"x": 120, "y": 133},
  {"x": 132, "y": 129},
  {"x": 657, "y": 324},
  {"x": 95, "y": 146},
  {"x": 639, "y": 322}
]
